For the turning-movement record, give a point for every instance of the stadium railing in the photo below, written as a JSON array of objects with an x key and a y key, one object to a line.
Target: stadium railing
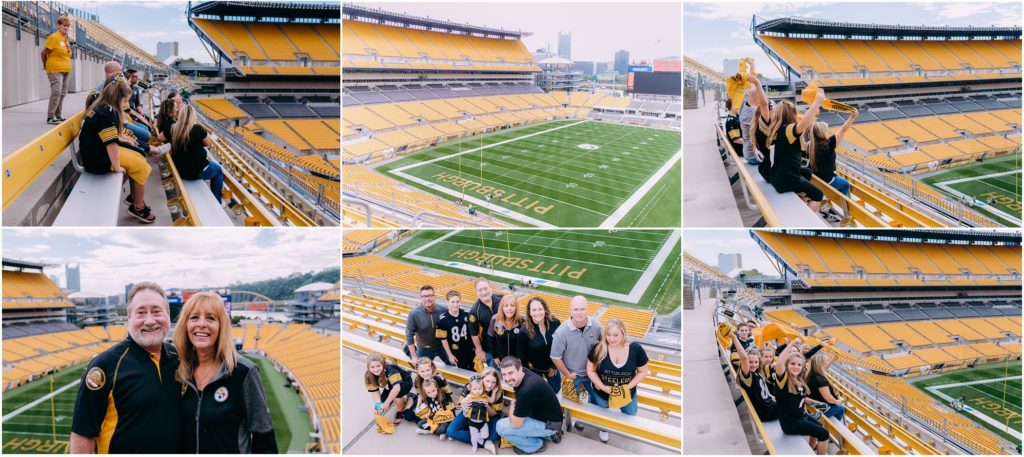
[
  {"x": 25, "y": 164},
  {"x": 636, "y": 428},
  {"x": 201, "y": 207},
  {"x": 778, "y": 210}
]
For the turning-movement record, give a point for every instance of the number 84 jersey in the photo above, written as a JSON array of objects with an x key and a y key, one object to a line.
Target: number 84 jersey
[{"x": 455, "y": 329}]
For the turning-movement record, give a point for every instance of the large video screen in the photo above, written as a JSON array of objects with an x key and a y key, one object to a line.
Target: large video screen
[{"x": 659, "y": 83}]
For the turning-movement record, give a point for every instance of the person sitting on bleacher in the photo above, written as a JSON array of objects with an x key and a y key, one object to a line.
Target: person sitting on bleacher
[
  {"x": 141, "y": 132},
  {"x": 821, "y": 149},
  {"x": 787, "y": 174},
  {"x": 135, "y": 102},
  {"x": 616, "y": 366},
  {"x": 749, "y": 377},
  {"x": 791, "y": 394},
  {"x": 435, "y": 409},
  {"x": 99, "y": 140},
  {"x": 821, "y": 388},
  {"x": 746, "y": 342},
  {"x": 458, "y": 430},
  {"x": 534, "y": 414},
  {"x": 189, "y": 141},
  {"x": 535, "y": 342},
  {"x": 166, "y": 117},
  {"x": 389, "y": 386},
  {"x": 732, "y": 126}
]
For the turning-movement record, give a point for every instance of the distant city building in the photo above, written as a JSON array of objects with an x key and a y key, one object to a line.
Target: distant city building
[
  {"x": 621, "y": 61},
  {"x": 565, "y": 45},
  {"x": 92, "y": 309},
  {"x": 165, "y": 49},
  {"x": 558, "y": 74},
  {"x": 74, "y": 284},
  {"x": 315, "y": 302},
  {"x": 602, "y": 67},
  {"x": 541, "y": 54},
  {"x": 584, "y": 67},
  {"x": 55, "y": 280},
  {"x": 729, "y": 262}
]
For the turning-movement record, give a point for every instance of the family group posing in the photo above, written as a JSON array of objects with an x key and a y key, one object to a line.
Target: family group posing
[{"x": 535, "y": 355}]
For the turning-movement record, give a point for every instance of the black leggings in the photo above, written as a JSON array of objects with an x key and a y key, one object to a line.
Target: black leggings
[
  {"x": 806, "y": 426},
  {"x": 801, "y": 184}
]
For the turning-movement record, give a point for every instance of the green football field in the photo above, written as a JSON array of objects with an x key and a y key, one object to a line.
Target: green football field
[
  {"x": 992, "y": 394},
  {"x": 632, "y": 267},
  {"x": 995, "y": 183},
  {"x": 563, "y": 173},
  {"x": 42, "y": 430}
]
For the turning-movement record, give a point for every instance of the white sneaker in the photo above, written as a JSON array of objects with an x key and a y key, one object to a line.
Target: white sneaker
[
  {"x": 421, "y": 431},
  {"x": 603, "y": 435},
  {"x": 163, "y": 148},
  {"x": 490, "y": 447}
]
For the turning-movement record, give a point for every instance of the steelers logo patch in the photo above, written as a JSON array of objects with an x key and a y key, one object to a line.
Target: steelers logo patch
[
  {"x": 472, "y": 318},
  {"x": 455, "y": 346},
  {"x": 587, "y": 146},
  {"x": 95, "y": 379},
  {"x": 220, "y": 394}
]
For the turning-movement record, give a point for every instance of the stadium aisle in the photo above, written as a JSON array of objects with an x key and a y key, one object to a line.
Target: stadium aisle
[
  {"x": 710, "y": 422},
  {"x": 707, "y": 194},
  {"x": 25, "y": 122}
]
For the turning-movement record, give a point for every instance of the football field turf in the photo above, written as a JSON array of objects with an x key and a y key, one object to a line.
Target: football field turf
[
  {"x": 573, "y": 173},
  {"x": 998, "y": 180},
  {"x": 629, "y": 266},
  {"x": 992, "y": 394}
]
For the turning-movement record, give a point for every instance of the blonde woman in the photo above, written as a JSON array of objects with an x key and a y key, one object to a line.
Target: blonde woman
[
  {"x": 790, "y": 396},
  {"x": 616, "y": 363},
  {"x": 223, "y": 408},
  {"x": 189, "y": 141},
  {"x": 505, "y": 329}
]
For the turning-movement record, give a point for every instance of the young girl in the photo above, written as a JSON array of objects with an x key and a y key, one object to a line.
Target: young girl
[
  {"x": 784, "y": 131},
  {"x": 435, "y": 409},
  {"x": 821, "y": 149},
  {"x": 167, "y": 116},
  {"x": 388, "y": 384},
  {"x": 792, "y": 390},
  {"x": 189, "y": 141},
  {"x": 476, "y": 412},
  {"x": 102, "y": 133},
  {"x": 820, "y": 387},
  {"x": 505, "y": 329},
  {"x": 459, "y": 429},
  {"x": 749, "y": 379}
]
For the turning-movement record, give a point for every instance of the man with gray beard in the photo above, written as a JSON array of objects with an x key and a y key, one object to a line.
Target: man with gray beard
[{"x": 128, "y": 398}]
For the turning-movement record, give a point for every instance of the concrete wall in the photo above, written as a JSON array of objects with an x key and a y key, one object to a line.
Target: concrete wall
[{"x": 23, "y": 75}]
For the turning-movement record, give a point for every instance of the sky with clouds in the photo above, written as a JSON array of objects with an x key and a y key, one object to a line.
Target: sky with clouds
[
  {"x": 646, "y": 30},
  {"x": 716, "y": 31},
  {"x": 707, "y": 244},
  {"x": 144, "y": 23},
  {"x": 175, "y": 258}
]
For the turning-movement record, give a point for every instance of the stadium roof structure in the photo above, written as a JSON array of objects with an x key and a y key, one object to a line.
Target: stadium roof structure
[
  {"x": 797, "y": 25},
  {"x": 316, "y": 287},
  {"x": 23, "y": 264},
  {"x": 1001, "y": 238},
  {"x": 353, "y": 11},
  {"x": 221, "y": 9}
]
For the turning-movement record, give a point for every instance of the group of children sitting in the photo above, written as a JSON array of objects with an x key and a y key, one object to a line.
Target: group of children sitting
[{"x": 782, "y": 380}]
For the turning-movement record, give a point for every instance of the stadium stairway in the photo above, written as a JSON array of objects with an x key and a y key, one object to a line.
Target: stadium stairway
[{"x": 707, "y": 195}]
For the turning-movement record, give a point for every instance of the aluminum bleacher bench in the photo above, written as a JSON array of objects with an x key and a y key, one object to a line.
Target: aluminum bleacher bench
[{"x": 94, "y": 200}]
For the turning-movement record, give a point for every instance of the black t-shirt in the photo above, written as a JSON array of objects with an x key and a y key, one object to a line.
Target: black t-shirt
[
  {"x": 536, "y": 351},
  {"x": 128, "y": 401},
  {"x": 758, "y": 391},
  {"x": 504, "y": 342},
  {"x": 456, "y": 331},
  {"x": 825, "y": 160},
  {"x": 393, "y": 377},
  {"x": 229, "y": 416},
  {"x": 534, "y": 398},
  {"x": 612, "y": 375},
  {"x": 761, "y": 134},
  {"x": 786, "y": 167},
  {"x": 191, "y": 160},
  {"x": 165, "y": 128},
  {"x": 479, "y": 316},
  {"x": 735, "y": 133},
  {"x": 790, "y": 406},
  {"x": 98, "y": 130},
  {"x": 747, "y": 344},
  {"x": 817, "y": 381}
]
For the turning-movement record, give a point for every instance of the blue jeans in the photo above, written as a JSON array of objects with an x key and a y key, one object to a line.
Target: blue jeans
[
  {"x": 836, "y": 411},
  {"x": 528, "y": 437},
  {"x": 215, "y": 174},
  {"x": 458, "y": 430},
  {"x": 841, "y": 185},
  {"x": 141, "y": 133},
  {"x": 587, "y": 384},
  {"x": 429, "y": 353},
  {"x": 555, "y": 381},
  {"x": 629, "y": 410}
]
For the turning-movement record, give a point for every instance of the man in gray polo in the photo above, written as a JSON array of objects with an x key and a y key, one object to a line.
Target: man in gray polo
[{"x": 572, "y": 342}]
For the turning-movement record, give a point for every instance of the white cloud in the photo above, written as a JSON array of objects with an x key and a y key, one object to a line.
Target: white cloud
[{"x": 742, "y": 12}]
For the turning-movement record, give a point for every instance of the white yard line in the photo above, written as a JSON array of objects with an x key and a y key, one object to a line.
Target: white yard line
[
  {"x": 975, "y": 178},
  {"x": 936, "y": 390},
  {"x": 632, "y": 297},
  {"x": 628, "y": 205},
  {"x": 988, "y": 207},
  {"x": 39, "y": 400}
]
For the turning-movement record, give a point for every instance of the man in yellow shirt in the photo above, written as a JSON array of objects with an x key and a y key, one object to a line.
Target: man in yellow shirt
[{"x": 56, "y": 56}]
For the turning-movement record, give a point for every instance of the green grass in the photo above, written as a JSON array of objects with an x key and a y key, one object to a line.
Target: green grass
[
  {"x": 291, "y": 426},
  {"x": 1005, "y": 189},
  {"x": 549, "y": 178},
  {"x": 32, "y": 430},
  {"x": 995, "y": 399},
  {"x": 610, "y": 261}
]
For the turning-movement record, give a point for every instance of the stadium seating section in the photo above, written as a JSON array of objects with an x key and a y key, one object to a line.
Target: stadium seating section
[
  {"x": 25, "y": 290},
  {"x": 280, "y": 43}
]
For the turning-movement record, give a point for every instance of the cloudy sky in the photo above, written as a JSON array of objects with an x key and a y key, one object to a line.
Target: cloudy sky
[
  {"x": 716, "y": 31},
  {"x": 175, "y": 257},
  {"x": 707, "y": 244},
  {"x": 147, "y": 22},
  {"x": 647, "y": 30}
]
